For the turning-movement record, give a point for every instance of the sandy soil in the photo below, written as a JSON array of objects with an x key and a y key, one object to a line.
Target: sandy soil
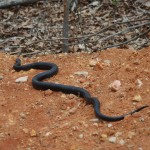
[{"x": 46, "y": 120}]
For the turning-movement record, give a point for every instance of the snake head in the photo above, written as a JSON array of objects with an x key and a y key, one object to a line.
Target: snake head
[{"x": 18, "y": 62}]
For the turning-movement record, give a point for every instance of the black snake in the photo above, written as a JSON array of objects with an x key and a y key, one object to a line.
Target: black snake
[{"x": 52, "y": 69}]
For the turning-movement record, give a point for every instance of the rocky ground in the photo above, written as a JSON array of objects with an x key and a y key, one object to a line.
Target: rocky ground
[{"x": 44, "y": 120}]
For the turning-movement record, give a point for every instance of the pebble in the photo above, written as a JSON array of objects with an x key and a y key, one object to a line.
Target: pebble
[
  {"x": 112, "y": 139},
  {"x": 82, "y": 46},
  {"x": 110, "y": 132},
  {"x": 86, "y": 84},
  {"x": 93, "y": 63},
  {"x": 94, "y": 120},
  {"x": 95, "y": 3},
  {"x": 7, "y": 49},
  {"x": 22, "y": 79},
  {"x": 137, "y": 98},
  {"x": 95, "y": 133},
  {"x": 107, "y": 62},
  {"x": 83, "y": 123},
  {"x": 75, "y": 128},
  {"x": 109, "y": 125},
  {"x": 95, "y": 124},
  {"x": 44, "y": 132},
  {"x": 147, "y": 71},
  {"x": 2, "y": 135},
  {"x": 118, "y": 134},
  {"x": 139, "y": 83},
  {"x": 131, "y": 134},
  {"x": 82, "y": 73},
  {"x": 115, "y": 85},
  {"x": 48, "y": 92},
  {"x": 99, "y": 66},
  {"x": 33, "y": 133},
  {"x": 23, "y": 115},
  {"x": 73, "y": 110},
  {"x": 63, "y": 96},
  {"x": 81, "y": 136},
  {"x": 48, "y": 134},
  {"x": 25, "y": 130},
  {"x": 121, "y": 142},
  {"x": 136, "y": 62},
  {"x": 11, "y": 119},
  {"x": 104, "y": 135},
  {"x": 128, "y": 68},
  {"x": 1, "y": 77},
  {"x": 141, "y": 119}
]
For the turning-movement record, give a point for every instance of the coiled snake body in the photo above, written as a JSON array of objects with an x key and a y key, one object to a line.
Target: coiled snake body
[{"x": 52, "y": 70}]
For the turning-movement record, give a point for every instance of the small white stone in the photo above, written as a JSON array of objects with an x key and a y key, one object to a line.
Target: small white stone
[
  {"x": 82, "y": 46},
  {"x": 118, "y": 134},
  {"x": 22, "y": 115},
  {"x": 81, "y": 136},
  {"x": 95, "y": 124},
  {"x": 7, "y": 49},
  {"x": 95, "y": 133},
  {"x": 112, "y": 139},
  {"x": 104, "y": 135},
  {"x": 33, "y": 133},
  {"x": 75, "y": 128},
  {"x": 93, "y": 63},
  {"x": 131, "y": 134},
  {"x": 22, "y": 79},
  {"x": 82, "y": 73},
  {"x": 115, "y": 85},
  {"x": 137, "y": 98},
  {"x": 48, "y": 134},
  {"x": 139, "y": 83},
  {"x": 107, "y": 62},
  {"x": 121, "y": 142},
  {"x": 109, "y": 125},
  {"x": 63, "y": 96},
  {"x": 94, "y": 120},
  {"x": 95, "y": 3},
  {"x": 141, "y": 119},
  {"x": 25, "y": 130},
  {"x": 73, "y": 110}
]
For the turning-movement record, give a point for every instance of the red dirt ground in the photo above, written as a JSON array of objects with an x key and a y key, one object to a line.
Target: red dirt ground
[{"x": 46, "y": 120}]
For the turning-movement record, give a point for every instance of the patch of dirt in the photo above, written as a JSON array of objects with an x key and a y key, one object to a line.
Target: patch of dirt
[{"x": 44, "y": 120}]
